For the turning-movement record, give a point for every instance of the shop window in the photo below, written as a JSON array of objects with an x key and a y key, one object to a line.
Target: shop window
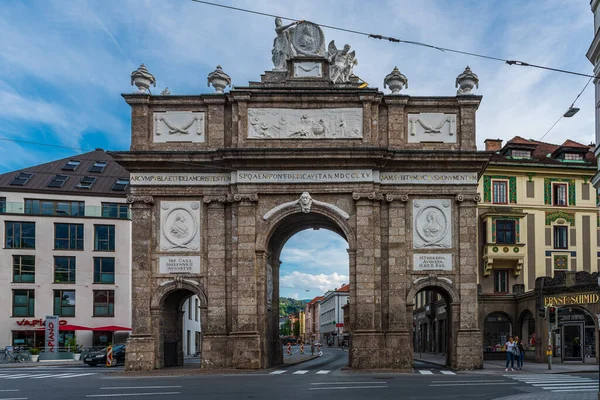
[
  {"x": 23, "y": 303},
  {"x": 505, "y": 231},
  {"x": 64, "y": 269},
  {"x": 500, "y": 192},
  {"x": 104, "y": 303},
  {"x": 55, "y": 207},
  {"x": 561, "y": 234},
  {"x": 23, "y": 269},
  {"x": 115, "y": 210},
  {"x": 559, "y": 194},
  {"x": 68, "y": 236},
  {"x": 104, "y": 270},
  {"x": 497, "y": 328},
  {"x": 64, "y": 303},
  {"x": 19, "y": 235},
  {"x": 501, "y": 281},
  {"x": 104, "y": 237},
  {"x": 102, "y": 338}
]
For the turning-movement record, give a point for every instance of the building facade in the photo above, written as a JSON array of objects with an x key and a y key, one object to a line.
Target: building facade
[
  {"x": 192, "y": 338},
  {"x": 331, "y": 319},
  {"x": 593, "y": 54},
  {"x": 312, "y": 312},
  {"x": 66, "y": 251},
  {"x": 538, "y": 246}
]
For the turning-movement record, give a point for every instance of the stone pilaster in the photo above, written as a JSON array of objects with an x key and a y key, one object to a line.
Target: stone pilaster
[
  {"x": 396, "y": 128},
  {"x": 398, "y": 338},
  {"x": 215, "y": 121},
  {"x": 468, "y": 340},
  {"x": 141, "y": 118}
]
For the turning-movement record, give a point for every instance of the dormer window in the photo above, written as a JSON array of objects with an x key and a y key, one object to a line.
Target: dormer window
[
  {"x": 574, "y": 156},
  {"x": 86, "y": 182},
  {"x": 521, "y": 153},
  {"x": 71, "y": 165},
  {"x": 21, "y": 179},
  {"x": 98, "y": 166}
]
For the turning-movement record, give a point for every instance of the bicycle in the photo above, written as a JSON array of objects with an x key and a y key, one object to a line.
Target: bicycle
[{"x": 13, "y": 355}]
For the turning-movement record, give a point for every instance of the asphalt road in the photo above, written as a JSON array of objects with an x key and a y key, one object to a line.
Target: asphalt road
[{"x": 321, "y": 378}]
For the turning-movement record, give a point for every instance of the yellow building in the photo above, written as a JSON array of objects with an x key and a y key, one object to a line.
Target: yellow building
[
  {"x": 302, "y": 319},
  {"x": 538, "y": 218}
]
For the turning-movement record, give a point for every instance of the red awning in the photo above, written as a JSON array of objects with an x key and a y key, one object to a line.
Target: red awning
[{"x": 111, "y": 328}]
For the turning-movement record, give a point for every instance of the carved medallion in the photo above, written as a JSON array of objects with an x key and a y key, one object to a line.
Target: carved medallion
[
  {"x": 178, "y": 126},
  {"x": 180, "y": 226},
  {"x": 432, "y": 225},
  {"x": 308, "y": 40}
]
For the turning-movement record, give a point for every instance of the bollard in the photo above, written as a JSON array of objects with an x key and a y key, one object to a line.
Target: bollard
[
  {"x": 289, "y": 349},
  {"x": 302, "y": 348},
  {"x": 109, "y": 356}
]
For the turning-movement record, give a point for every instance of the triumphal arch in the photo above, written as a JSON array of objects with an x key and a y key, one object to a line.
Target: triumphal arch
[{"x": 220, "y": 182}]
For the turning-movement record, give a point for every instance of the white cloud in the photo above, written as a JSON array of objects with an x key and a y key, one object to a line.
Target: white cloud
[{"x": 315, "y": 283}]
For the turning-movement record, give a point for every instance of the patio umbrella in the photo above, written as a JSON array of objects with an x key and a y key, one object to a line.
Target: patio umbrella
[
  {"x": 69, "y": 328},
  {"x": 111, "y": 328}
]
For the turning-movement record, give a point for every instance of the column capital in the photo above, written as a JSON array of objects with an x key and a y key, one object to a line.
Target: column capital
[
  {"x": 367, "y": 196},
  {"x": 468, "y": 198},
  {"x": 396, "y": 197},
  {"x": 136, "y": 200}
]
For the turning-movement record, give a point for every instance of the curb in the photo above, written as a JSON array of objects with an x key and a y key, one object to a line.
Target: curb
[
  {"x": 39, "y": 364},
  {"x": 437, "y": 364}
]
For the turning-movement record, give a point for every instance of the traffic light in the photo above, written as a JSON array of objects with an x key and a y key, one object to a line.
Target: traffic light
[
  {"x": 552, "y": 311},
  {"x": 542, "y": 312}
]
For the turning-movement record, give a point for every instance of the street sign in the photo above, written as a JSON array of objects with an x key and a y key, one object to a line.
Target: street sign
[{"x": 339, "y": 325}]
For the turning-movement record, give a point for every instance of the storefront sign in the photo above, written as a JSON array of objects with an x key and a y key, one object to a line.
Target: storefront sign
[
  {"x": 426, "y": 262},
  {"x": 180, "y": 265},
  {"x": 52, "y": 323},
  {"x": 586, "y": 298},
  {"x": 37, "y": 322}
]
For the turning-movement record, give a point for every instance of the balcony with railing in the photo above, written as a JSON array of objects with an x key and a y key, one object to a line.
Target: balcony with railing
[{"x": 66, "y": 209}]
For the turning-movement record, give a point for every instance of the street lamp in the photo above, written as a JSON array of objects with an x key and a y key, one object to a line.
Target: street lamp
[{"x": 570, "y": 112}]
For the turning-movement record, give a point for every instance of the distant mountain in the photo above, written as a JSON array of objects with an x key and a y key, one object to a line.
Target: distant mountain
[{"x": 289, "y": 306}]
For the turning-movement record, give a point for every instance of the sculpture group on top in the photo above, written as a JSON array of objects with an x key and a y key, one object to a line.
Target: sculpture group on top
[{"x": 303, "y": 38}]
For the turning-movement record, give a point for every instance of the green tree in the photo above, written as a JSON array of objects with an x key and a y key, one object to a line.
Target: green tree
[
  {"x": 285, "y": 328},
  {"x": 297, "y": 328}
]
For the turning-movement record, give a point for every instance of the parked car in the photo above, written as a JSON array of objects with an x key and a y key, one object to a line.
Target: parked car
[{"x": 99, "y": 357}]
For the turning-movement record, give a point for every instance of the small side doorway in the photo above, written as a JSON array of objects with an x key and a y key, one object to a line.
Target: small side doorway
[{"x": 572, "y": 342}]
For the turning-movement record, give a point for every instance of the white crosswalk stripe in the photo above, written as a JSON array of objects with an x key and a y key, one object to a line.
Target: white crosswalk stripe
[
  {"x": 447, "y": 372},
  {"x": 558, "y": 384},
  {"x": 301, "y": 372},
  {"x": 323, "y": 372},
  {"x": 425, "y": 372},
  {"x": 279, "y": 372},
  {"x": 45, "y": 375}
]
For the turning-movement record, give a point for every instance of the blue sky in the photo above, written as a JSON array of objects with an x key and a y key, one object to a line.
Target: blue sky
[{"x": 64, "y": 64}]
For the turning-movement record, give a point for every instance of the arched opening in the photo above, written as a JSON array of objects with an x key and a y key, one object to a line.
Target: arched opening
[
  {"x": 527, "y": 334},
  {"x": 180, "y": 307},
  {"x": 432, "y": 335},
  {"x": 497, "y": 329},
  {"x": 297, "y": 267},
  {"x": 575, "y": 338}
]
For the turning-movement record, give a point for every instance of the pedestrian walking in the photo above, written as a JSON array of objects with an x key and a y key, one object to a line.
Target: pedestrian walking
[
  {"x": 509, "y": 347},
  {"x": 520, "y": 352}
]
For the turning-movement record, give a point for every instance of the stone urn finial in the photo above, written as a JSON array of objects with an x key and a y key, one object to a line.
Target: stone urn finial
[
  {"x": 219, "y": 79},
  {"x": 142, "y": 79},
  {"x": 466, "y": 81},
  {"x": 165, "y": 92},
  {"x": 395, "y": 81}
]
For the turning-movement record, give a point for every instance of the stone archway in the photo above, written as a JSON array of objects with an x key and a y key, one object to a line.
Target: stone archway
[
  {"x": 166, "y": 314},
  {"x": 442, "y": 286},
  {"x": 283, "y": 222}
]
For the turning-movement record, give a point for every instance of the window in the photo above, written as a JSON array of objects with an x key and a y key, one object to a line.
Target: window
[
  {"x": 559, "y": 194},
  {"x": 54, "y": 207},
  {"x": 521, "y": 153},
  {"x": 573, "y": 156},
  {"x": 196, "y": 309},
  {"x": 21, "y": 179},
  {"x": 505, "y": 232},
  {"x": 104, "y": 303},
  {"x": 104, "y": 237},
  {"x": 86, "y": 182},
  {"x": 104, "y": 270},
  {"x": 115, "y": 210},
  {"x": 58, "y": 181},
  {"x": 501, "y": 281},
  {"x": 23, "y": 303},
  {"x": 121, "y": 184},
  {"x": 71, "y": 165},
  {"x": 560, "y": 237},
  {"x": 500, "y": 192},
  {"x": 68, "y": 236},
  {"x": 64, "y": 269},
  {"x": 98, "y": 166},
  {"x": 2, "y": 205},
  {"x": 19, "y": 235},
  {"x": 23, "y": 269},
  {"x": 64, "y": 303},
  {"x": 190, "y": 309}
]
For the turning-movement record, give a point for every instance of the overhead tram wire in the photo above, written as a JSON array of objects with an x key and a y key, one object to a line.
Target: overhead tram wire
[{"x": 395, "y": 40}]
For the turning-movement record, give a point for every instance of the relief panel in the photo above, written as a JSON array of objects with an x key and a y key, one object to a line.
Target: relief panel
[
  {"x": 432, "y": 127},
  {"x": 179, "y": 126},
  {"x": 432, "y": 224},
  {"x": 179, "y": 226},
  {"x": 287, "y": 123}
]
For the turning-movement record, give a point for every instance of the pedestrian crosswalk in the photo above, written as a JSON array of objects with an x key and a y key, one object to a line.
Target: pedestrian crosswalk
[
  {"x": 558, "y": 383},
  {"x": 41, "y": 375},
  {"x": 434, "y": 372},
  {"x": 299, "y": 372}
]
